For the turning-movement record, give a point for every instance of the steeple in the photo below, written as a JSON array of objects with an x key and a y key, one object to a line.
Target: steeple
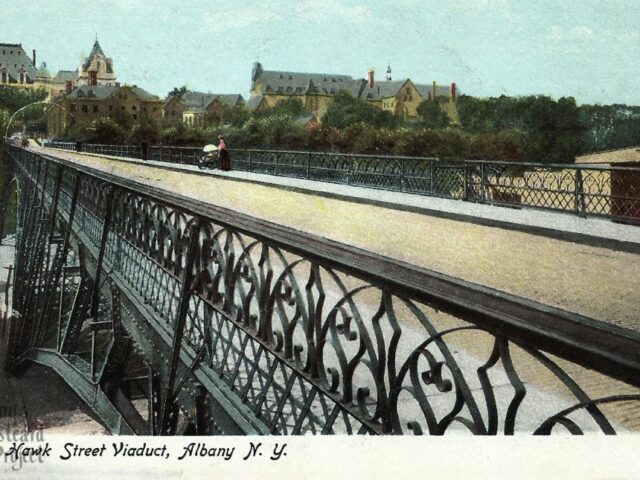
[{"x": 388, "y": 72}]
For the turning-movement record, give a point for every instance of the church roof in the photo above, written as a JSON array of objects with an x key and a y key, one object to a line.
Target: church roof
[
  {"x": 426, "y": 90},
  {"x": 383, "y": 89},
  {"x": 96, "y": 50},
  {"x": 64, "y": 76},
  {"x": 13, "y": 59},
  {"x": 302, "y": 83},
  {"x": 43, "y": 72}
]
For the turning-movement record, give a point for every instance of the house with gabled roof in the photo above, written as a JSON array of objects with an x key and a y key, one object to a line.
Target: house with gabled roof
[{"x": 199, "y": 108}]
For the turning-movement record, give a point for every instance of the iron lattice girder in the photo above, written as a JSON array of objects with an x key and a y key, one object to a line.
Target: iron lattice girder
[
  {"x": 156, "y": 352},
  {"x": 512, "y": 321}
]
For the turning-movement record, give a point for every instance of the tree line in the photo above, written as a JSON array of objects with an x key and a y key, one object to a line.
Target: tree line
[{"x": 531, "y": 128}]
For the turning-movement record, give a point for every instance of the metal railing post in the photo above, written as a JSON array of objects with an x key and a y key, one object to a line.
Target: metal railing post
[
  {"x": 465, "y": 181},
  {"x": 578, "y": 192},
  {"x": 482, "y": 183},
  {"x": 431, "y": 174},
  {"x": 402, "y": 174}
]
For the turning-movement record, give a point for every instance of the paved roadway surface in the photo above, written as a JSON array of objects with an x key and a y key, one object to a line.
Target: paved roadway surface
[{"x": 597, "y": 282}]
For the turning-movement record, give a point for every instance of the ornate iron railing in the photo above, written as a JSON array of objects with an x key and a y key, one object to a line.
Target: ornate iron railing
[
  {"x": 607, "y": 192},
  {"x": 300, "y": 335}
]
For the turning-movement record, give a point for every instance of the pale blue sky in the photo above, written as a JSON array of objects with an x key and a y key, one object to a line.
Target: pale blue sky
[{"x": 589, "y": 49}]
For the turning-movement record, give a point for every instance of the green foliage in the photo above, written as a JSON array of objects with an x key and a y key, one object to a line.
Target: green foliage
[
  {"x": 345, "y": 110},
  {"x": 145, "y": 131},
  {"x": 178, "y": 92},
  {"x": 432, "y": 115},
  {"x": 291, "y": 107},
  {"x": 608, "y": 127},
  {"x": 13, "y": 99},
  {"x": 553, "y": 127}
]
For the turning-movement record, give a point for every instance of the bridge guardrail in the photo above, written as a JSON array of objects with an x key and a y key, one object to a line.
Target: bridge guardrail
[
  {"x": 314, "y": 337},
  {"x": 584, "y": 190}
]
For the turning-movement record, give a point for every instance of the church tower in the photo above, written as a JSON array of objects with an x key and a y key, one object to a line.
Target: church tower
[
  {"x": 97, "y": 68},
  {"x": 388, "y": 72}
]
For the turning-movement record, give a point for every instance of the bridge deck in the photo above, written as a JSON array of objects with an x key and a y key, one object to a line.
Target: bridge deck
[{"x": 597, "y": 282}]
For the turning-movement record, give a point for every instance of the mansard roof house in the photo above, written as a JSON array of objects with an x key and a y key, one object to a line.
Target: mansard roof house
[
  {"x": 15, "y": 65},
  {"x": 316, "y": 90}
]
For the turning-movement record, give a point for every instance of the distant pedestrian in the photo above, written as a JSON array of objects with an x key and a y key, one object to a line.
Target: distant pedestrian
[{"x": 223, "y": 155}]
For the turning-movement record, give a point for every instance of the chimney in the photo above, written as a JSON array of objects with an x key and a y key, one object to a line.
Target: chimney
[
  {"x": 434, "y": 91},
  {"x": 371, "y": 75},
  {"x": 68, "y": 87},
  {"x": 454, "y": 91},
  {"x": 34, "y": 57}
]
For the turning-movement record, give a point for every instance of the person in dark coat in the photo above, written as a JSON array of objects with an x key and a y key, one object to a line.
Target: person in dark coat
[{"x": 223, "y": 155}]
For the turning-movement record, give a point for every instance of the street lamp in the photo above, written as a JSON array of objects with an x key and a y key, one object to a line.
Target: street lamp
[{"x": 47, "y": 102}]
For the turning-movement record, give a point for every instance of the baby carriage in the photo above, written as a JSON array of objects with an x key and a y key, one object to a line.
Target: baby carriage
[{"x": 208, "y": 158}]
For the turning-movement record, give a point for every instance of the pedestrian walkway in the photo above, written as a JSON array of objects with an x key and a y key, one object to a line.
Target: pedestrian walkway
[
  {"x": 598, "y": 282},
  {"x": 562, "y": 225}
]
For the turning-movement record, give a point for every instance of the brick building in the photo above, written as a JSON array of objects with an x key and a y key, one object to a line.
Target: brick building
[{"x": 90, "y": 102}]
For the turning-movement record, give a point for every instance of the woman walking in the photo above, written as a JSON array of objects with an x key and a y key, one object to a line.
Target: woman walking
[{"x": 223, "y": 155}]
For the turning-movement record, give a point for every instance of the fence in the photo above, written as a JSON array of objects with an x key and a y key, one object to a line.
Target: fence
[
  {"x": 599, "y": 191},
  {"x": 288, "y": 332}
]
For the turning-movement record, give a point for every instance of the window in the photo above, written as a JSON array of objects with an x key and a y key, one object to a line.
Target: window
[
  {"x": 134, "y": 107},
  {"x": 95, "y": 108},
  {"x": 144, "y": 109},
  {"x": 122, "y": 108},
  {"x": 110, "y": 108},
  {"x": 85, "y": 108},
  {"x": 4, "y": 77},
  {"x": 135, "y": 117}
]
